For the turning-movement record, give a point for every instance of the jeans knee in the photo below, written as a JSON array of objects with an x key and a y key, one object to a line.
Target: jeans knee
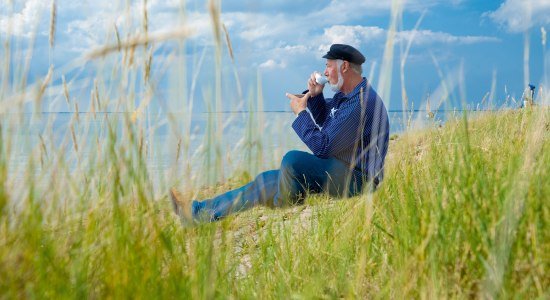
[{"x": 291, "y": 159}]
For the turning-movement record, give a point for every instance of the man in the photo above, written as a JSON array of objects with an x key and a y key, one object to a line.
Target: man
[{"x": 347, "y": 134}]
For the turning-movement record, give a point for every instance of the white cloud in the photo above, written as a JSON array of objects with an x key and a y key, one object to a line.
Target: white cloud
[
  {"x": 344, "y": 10},
  {"x": 277, "y": 38},
  {"x": 84, "y": 31},
  {"x": 520, "y": 15},
  {"x": 89, "y": 24},
  {"x": 256, "y": 26},
  {"x": 424, "y": 37},
  {"x": 353, "y": 35},
  {"x": 23, "y": 23},
  {"x": 362, "y": 35},
  {"x": 272, "y": 64},
  {"x": 252, "y": 26},
  {"x": 295, "y": 49}
]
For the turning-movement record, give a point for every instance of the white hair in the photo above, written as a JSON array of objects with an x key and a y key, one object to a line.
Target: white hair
[{"x": 356, "y": 68}]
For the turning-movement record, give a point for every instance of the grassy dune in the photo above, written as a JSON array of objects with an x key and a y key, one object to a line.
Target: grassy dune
[{"x": 463, "y": 212}]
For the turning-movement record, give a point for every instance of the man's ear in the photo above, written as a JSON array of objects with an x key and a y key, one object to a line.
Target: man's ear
[{"x": 345, "y": 66}]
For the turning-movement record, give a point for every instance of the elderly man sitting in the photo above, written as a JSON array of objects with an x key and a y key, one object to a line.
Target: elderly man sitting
[{"x": 347, "y": 135}]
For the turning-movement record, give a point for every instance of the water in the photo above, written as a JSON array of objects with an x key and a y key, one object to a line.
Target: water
[
  {"x": 249, "y": 142},
  {"x": 169, "y": 142}
]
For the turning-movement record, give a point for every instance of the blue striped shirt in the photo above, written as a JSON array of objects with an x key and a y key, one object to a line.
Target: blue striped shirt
[{"x": 353, "y": 128}]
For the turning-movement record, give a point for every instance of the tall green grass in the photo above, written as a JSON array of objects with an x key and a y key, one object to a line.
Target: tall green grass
[{"x": 462, "y": 212}]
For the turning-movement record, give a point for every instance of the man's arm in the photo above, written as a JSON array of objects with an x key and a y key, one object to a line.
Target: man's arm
[
  {"x": 342, "y": 133},
  {"x": 318, "y": 108}
]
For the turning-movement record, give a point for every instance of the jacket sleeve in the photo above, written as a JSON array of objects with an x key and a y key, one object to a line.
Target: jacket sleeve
[
  {"x": 318, "y": 108},
  {"x": 338, "y": 134}
]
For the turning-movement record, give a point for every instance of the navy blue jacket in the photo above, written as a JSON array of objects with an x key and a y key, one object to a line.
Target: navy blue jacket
[{"x": 353, "y": 128}]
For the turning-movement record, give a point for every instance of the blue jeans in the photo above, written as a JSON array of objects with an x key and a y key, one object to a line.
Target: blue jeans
[{"x": 300, "y": 173}]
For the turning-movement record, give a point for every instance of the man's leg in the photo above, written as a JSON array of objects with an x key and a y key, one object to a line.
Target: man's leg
[
  {"x": 303, "y": 172},
  {"x": 258, "y": 192},
  {"x": 300, "y": 172}
]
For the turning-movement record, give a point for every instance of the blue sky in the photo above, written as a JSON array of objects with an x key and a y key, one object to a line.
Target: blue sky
[{"x": 478, "y": 43}]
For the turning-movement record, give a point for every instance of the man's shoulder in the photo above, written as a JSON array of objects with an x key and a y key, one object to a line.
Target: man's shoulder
[{"x": 370, "y": 94}]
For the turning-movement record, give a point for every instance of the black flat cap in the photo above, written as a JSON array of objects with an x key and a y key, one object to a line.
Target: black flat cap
[{"x": 345, "y": 52}]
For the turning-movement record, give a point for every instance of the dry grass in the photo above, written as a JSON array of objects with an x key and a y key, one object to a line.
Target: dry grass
[{"x": 140, "y": 40}]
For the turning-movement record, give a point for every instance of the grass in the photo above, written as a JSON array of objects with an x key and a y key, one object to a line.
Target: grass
[{"x": 463, "y": 212}]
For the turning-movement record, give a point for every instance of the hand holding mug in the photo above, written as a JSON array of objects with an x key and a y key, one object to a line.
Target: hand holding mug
[
  {"x": 298, "y": 103},
  {"x": 316, "y": 83}
]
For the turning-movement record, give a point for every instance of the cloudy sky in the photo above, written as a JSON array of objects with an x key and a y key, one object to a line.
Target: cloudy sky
[{"x": 477, "y": 43}]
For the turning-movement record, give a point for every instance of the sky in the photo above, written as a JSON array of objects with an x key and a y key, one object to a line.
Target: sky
[{"x": 473, "y": 49}]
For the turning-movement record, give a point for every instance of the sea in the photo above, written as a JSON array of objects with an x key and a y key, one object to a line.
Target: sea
[{"x": 172, "y": 144}]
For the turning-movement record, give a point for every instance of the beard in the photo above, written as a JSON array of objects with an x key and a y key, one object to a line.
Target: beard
[{"x": 336, "y": 87}]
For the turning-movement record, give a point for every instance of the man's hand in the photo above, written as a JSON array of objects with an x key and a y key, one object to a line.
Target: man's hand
[
  {"x": 313, "y": 87},
  {"x": 298, "y": 103}
]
